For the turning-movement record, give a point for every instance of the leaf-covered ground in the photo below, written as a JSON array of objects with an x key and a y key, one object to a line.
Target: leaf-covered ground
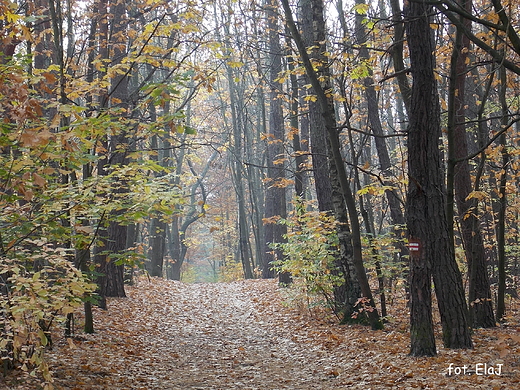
[{"x": 171, "y": 335}]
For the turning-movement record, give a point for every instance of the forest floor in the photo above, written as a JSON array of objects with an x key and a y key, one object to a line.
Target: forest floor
[{"x": 240, "y": 335}]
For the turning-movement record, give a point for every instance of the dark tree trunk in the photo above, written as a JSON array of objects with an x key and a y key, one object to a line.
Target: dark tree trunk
[
  {"x": 175, "y": 243},
  {"x": 275, "y": 200},
  {"x": 397, "y": 55},
  {"x": 113, "y": 283},
  {"x": 158, "y": 226},
  {"x": 459, "y": 179},
  {"x": 157, "y": 247},
  {"x": 426, "y": 204},
  {"x": 502, "y": 203},
  {"x": 299, "y": 149}
]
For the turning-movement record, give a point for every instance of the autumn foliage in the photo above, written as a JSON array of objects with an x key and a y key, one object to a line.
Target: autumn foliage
[{"x": 151, "y": 139}]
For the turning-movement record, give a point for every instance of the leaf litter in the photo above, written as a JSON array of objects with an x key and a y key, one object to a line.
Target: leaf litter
[{"x": 240, "y": 335}]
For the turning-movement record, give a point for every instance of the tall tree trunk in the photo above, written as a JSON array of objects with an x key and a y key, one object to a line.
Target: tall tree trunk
[
  {"x": 426, "y": 210},
  {"x": 300, "y": 156},
  {"x": 175, "y": 250},
  {"x": 157, "y": 224},
  {"x": 157, "y": 246},
  {"x": 275, "y": 201},
  {"x": 459, "y": 181},
  {"x": 501, "y": 218},
  {"x": 397, "y": 55},
  {"x": 118, "y": 145}
]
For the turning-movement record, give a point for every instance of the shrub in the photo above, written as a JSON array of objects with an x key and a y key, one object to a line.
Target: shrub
[
  {"x": 309, "y": 254},
  {"x": 32, "y": 300}
]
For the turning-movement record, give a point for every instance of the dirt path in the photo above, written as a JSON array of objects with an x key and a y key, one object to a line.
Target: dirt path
[
  {"x": 233, "y": 344},
  {"x": 170, "y": 335},
  {"x": 219, "y": 336},
  {"x": 194, "y": 336}
]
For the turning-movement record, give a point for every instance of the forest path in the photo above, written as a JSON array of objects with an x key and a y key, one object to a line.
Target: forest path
[
  {"x": 239, "y": 335},
  {"x": 198, "y": 336}
]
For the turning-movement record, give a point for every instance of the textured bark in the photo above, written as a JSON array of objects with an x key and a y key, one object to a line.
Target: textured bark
[
  {"x": 300, "y": 149},
  {"x": 116, "y": 245},
  {"x": 175, "y": 250},
  {"x": 426, "y": 210},
  {"x": 397, "y": 55},
  {"x": 275, "y": 200},
  {"x": 480, "y": 302},
  {"x": 502, "y": 202},
  {"x": 422, "y": 339},
  {"x": 157, "y": 247}
]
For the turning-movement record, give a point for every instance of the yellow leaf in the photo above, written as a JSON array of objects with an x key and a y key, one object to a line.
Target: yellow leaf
[
  {"x": 235, "y": 64},
  {"x": 68, "y": 309},
  {"x": 479, "y": 195}
]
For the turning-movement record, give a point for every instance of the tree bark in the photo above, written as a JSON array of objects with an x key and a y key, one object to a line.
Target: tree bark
[
  {"x": 275, "y": 199},
  {"x": 459, "y": 182},
  {"x": 117, "y": 146},
  {"x": 397, "y": 54},
  {"x": 502, "y": 202},
  {"x": 426, "y": 204}
]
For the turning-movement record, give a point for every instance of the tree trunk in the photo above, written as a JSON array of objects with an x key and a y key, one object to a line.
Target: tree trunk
[
  {"x": 116, "y": 231},
  {"x": 426, "y": 210},
  {"x": 300, "y": 151},
  {"x": 275, "y": 201},
  {"x": 157, "y": 246},
  {"x": 501, "y": 218},
  {"x": 175, "y": 242},
  {"x": 397, "y": 55},
  {"x": 459, "y": 181}
]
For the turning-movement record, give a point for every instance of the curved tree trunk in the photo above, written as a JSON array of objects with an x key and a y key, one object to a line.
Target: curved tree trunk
[{"x": 328, "y": 190}]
